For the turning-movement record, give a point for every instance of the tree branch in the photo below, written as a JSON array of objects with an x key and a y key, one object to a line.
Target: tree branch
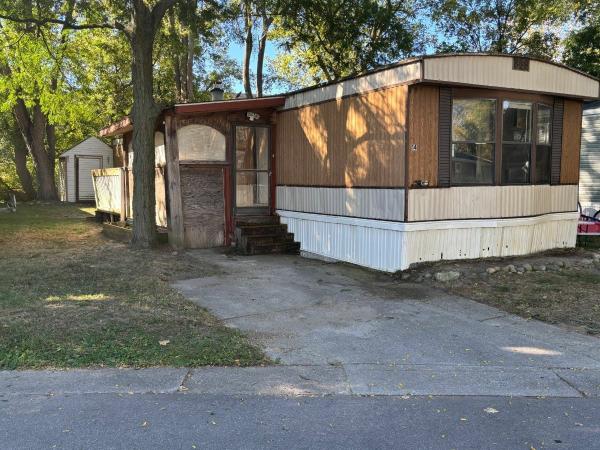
[{"x": 40, "y": 22}]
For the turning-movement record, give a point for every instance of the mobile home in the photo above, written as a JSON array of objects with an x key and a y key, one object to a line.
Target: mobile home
[{"x": 437, "y": 157}]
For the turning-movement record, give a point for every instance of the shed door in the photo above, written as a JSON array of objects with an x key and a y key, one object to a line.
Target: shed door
[{"x": 84, "y": 188}]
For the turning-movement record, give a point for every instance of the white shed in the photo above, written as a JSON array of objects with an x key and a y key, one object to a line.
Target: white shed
[
  {"x": 75, "y": 169},
  {"x": 589, "y": 181}
]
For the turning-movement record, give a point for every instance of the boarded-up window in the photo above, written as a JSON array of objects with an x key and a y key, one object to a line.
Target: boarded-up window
[{"x": 200, "y": 143}]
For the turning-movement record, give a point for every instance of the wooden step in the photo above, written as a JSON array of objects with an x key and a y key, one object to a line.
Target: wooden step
[
  {"x": 284, "y": 247},
  {"x": 262, "y": 229},
  {"x": 256, "y": 220}
]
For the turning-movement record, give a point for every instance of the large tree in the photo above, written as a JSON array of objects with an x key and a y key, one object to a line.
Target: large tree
[
  {"x": 500, "y": 26},
  {"x": 332, "y": 39},
  {"x": 139, "y": 21},
  {"x": 582, "y": 47},
  {"x": 251, "y": 22}
]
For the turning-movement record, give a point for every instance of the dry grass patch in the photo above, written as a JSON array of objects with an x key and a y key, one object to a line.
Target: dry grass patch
[
  {"x": 566, "y": 293},
  {"x": 71, "y": 298}
]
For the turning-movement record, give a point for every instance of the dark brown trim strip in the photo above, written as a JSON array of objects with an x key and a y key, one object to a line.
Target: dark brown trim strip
[
  {"x": 444, "y": 136},
  {"x": 557, "y": 129}
]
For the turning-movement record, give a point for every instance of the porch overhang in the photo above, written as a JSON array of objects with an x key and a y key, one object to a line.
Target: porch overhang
[
  {"x": 121, "y": 127},
  {"x": 230, "y": 105}
]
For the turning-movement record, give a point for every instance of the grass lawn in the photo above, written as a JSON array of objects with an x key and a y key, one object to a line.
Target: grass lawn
[{"x": 71, "y": 298}]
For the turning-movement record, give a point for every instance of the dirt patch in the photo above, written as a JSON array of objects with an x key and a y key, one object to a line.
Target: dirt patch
[{"x": 558, "y": 287}]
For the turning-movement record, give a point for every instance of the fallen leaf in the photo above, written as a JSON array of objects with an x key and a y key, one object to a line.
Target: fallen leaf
[
  {"x": 491, "y": 410},
  {"x": 165, "y": 342},
  {"x": 145, "y": 424}
]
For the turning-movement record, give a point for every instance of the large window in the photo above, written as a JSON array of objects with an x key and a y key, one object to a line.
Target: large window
[
  {"x": 500, "y": 141},
  {"x": 473, "y": 141},
  {"x": 516, "y": 141}
]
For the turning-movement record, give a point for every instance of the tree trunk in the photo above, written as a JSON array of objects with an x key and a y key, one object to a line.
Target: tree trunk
[
  {"x": 247, "y": 48},
  {"x": 33, "y": 130},
  {"x": 144, "y": 115},
  {"x": 190, "y": 67},
  {"x": 260, "y": 58},
  {"x": 21, "y": 165}
]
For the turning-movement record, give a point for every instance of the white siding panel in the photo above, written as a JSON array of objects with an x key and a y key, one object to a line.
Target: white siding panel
[
  {"x": 384, "y": 78},
  {"x": 470, "y": 202},
  {"x": 367, "y": 246},
  {"x": 108, "y": 192},
  {"x": 385, "y": 204},
  {"x": 392, "y": 246},
  {"x": 509, "y": 237},
  {"x": 497, "y": 71}
]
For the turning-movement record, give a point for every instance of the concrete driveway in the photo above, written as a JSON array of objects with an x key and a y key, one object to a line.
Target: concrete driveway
[{"x": 340, "y": 329}]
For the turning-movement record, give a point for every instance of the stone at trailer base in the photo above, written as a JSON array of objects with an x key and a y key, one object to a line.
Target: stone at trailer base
[
  {"x": 447, "y": 276},
  {"x": 528, "y": 267},
  {"x": 510, "y": 268},
  {"x": 586, "y": 262},
  {"x": 520, "y": 269},
  {"x": 491, "y": 270},
  {"x": 427, "y": 275},
  {"x": 539, "y": 268},
  {"x": 560, "y": 264},
  {"x": 405, "y": 276}
]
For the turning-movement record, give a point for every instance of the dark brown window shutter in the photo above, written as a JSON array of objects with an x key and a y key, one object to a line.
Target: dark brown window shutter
[
  {"x": 444, "y": 136},
  {"x": 557, "y": 128}
]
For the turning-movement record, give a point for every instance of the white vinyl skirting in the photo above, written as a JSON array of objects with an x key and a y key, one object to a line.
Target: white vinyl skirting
[{"x": 392, "y": 246}]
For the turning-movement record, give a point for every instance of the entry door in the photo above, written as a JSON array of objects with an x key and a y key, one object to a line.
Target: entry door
[{"x": 252, "y": 169}]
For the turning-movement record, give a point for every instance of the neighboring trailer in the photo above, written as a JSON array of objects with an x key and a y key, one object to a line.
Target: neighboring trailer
[
  {"x": 589, "y": 183},
  {"x": 75, "y": 169}
]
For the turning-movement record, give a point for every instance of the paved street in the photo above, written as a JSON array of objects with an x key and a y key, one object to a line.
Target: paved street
[{"x": 187, "y": 421}]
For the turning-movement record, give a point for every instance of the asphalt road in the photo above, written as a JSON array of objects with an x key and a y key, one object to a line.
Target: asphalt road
[{"x": 188, "y": 421}]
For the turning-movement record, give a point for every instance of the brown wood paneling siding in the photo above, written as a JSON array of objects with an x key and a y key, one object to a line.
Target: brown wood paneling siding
[
  {"x": 557, "y": 130},
  {"x": 571, "y": 142},
  {"x": 423, "y": 134},
  {"x": 355, "y": 141},
  {"x": 444, "y": 136}
]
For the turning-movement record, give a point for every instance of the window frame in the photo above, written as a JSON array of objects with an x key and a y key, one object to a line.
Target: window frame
[{"x": 500, "y": 96}]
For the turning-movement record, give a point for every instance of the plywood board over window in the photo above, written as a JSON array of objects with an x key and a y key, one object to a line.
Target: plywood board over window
[
  {"x": 571, "y": 142},
  {"x": 356, "y": 141},
  {"x": 423, "y": 134}
]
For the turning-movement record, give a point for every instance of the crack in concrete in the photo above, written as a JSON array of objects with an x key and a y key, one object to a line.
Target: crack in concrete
[{"x": 570, "y": 384}]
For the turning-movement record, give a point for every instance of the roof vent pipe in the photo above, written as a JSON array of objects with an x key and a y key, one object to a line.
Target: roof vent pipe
[{"x": 216, "y": 93}]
